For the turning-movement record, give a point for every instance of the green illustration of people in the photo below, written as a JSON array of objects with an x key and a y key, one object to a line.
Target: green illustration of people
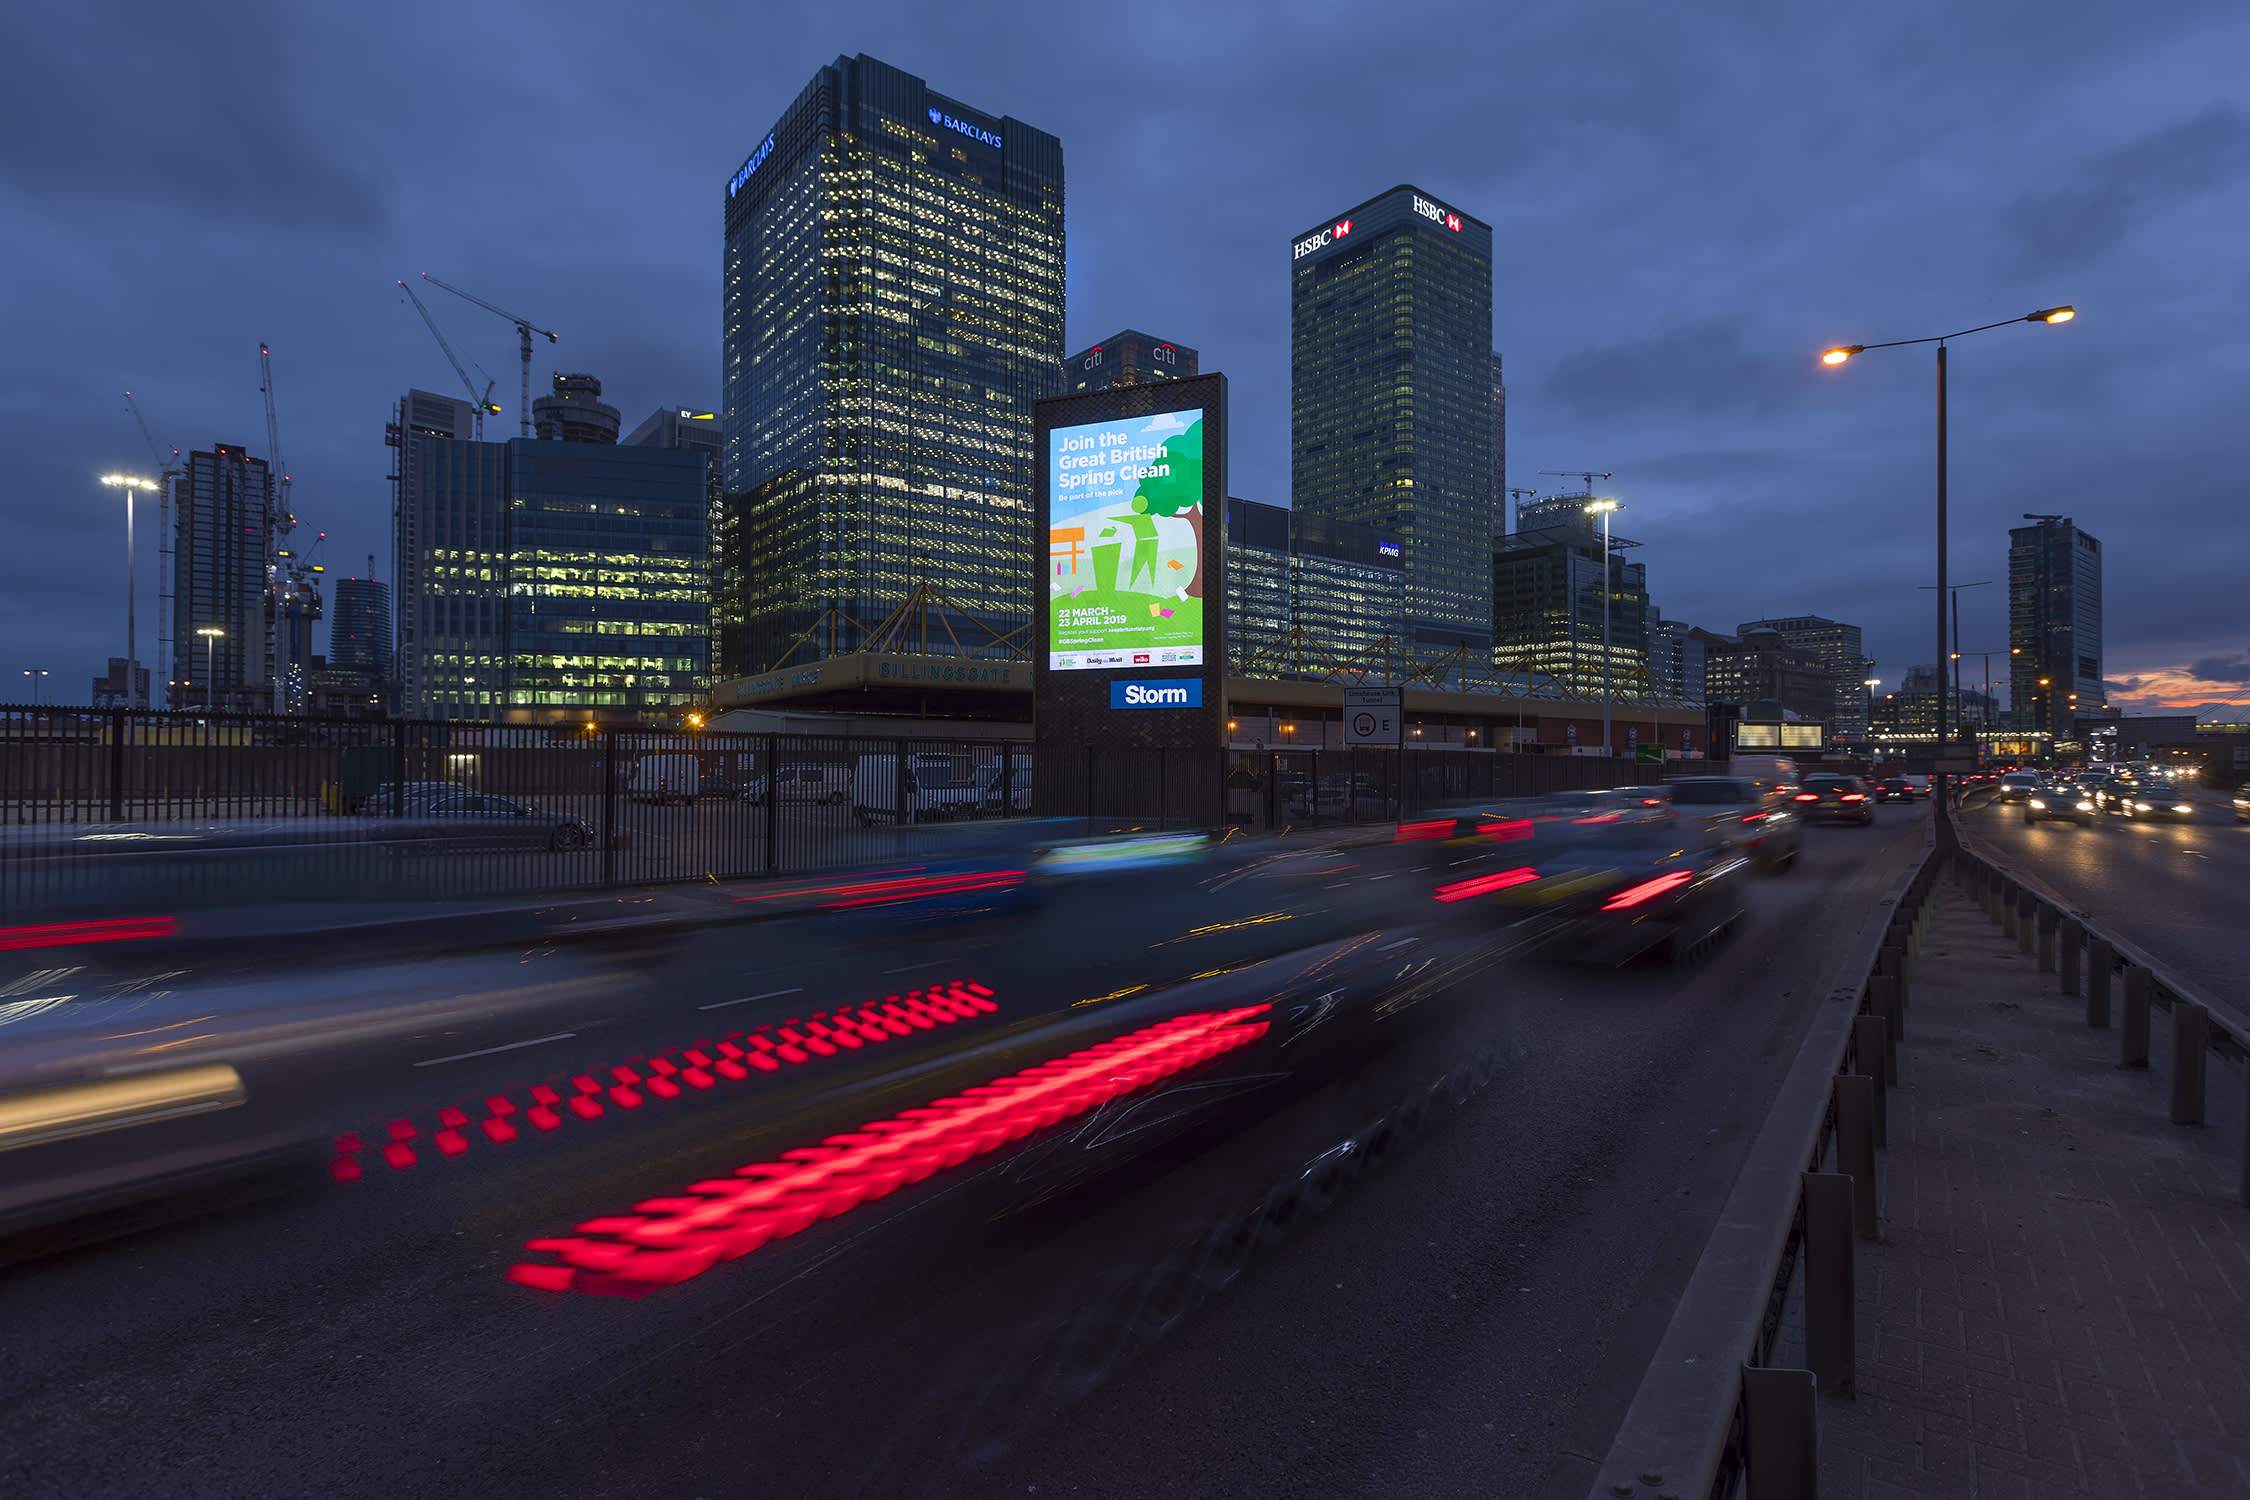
[{"x": 1178, "y": 491}]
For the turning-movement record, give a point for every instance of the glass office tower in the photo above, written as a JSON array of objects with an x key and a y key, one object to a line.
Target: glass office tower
[
  {"x": 2054, "y": 627},
  {"x": 1339, "y": 585},
  {"x": 893, "y": 304},
  {"x": 224, "y": 505},
  {"x": 1391, "y": 398}
]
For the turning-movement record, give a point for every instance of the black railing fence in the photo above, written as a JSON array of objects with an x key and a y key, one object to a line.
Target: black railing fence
[{"x": 111, "y": 809}]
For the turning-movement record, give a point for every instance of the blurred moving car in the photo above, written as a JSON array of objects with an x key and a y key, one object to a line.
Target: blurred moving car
[
  {"x": 1603, "y": 880},
  {"x": 1834, "y": 799},
  {"x": 1736, "y": 813},
  {"x": 556, "y": 830},
  {"x": 2058, "y": 799},
  {"x": 2110, "y": 793},
  {"x": 1647, "y": 796},
  {"x": 2242, "y": 804},
  {"x": 2151, "y": 800},
  {"x": 1918, "y": 785},
  {"x": 1891, "y": 789},
  {"x": 2017, "y": 785}
]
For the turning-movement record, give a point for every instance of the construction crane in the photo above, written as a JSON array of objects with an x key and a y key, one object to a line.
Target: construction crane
[
  {"x": 482, "y": 403},
  {"x": 524, "y": 330},
  {"x": 1588, "y": 475},
  {"x": 168, "y": 471}
]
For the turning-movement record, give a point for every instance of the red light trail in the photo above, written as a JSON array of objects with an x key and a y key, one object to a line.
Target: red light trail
[{"x": 668, "y": 1240}]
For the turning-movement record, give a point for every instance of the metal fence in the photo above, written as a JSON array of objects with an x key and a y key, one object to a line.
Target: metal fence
[{"x": 111, "y": 809}]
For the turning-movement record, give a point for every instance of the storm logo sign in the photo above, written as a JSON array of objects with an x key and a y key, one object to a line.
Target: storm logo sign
[{"x": 1125, "y": 542}]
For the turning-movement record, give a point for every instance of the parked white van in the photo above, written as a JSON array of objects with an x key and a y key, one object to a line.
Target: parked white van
[
  {"x": 667, "y": 778},
  {"x": 879, "y": 784},
  {"x": 804, "y": 783}
]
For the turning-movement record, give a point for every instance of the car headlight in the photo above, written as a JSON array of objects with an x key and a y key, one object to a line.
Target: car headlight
[
  {"x": 2140, "y": 807},
  {"x": 2085, "y": 807},
  {"x": 2035, "y": 802},
  {"x": 2179, "y": 807}
]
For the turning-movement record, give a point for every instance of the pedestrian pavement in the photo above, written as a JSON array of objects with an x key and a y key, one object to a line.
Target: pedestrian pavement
[{"x": 2058, "y": 1303}]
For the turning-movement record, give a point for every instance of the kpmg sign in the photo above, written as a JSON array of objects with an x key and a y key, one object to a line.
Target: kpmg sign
[
  {"x": 757, "y": 160},
  {"x": 974, "y": 133},
  {"x": 1169, "y": 692}
]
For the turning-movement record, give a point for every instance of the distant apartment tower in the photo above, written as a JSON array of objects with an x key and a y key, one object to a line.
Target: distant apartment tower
[
  {"x": 359, "y": 632},
  {"x": 222, "y": 510},
  {"x": 1762, "y": 668},
  {"x": 575, "y": 412},
  {"x": 892, "y": 304},
  {"x": 1307, "y": 595},
  {"x": 1548, "y": 580},
  {"x": 1837, "y": 647},
  {"x": 1391, "y": 385},
  {"x": 126, "y": 686},
  {"x": 1675, "y": 655},
  {"x": 1127, "y": 358},
  {"x": 2054, "y": 627}
]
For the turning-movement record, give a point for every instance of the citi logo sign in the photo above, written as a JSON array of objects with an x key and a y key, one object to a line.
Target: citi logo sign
[
  {"x": 974, "y": 133},
  {"x": 1437, "y": 215},
  {"x": 1175, "y": 692}
]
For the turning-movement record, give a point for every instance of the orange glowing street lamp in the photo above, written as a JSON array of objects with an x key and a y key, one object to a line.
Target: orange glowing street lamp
[{"x": 1843, "y": 352}]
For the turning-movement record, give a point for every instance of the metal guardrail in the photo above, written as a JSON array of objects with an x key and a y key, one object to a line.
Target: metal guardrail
[
  {"x": 2090, "y": 963},
  {"x": 1711, "y": 1413}
]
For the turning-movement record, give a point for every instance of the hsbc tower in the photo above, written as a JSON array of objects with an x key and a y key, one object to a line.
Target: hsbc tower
[{"x": 1391, "y": 398}]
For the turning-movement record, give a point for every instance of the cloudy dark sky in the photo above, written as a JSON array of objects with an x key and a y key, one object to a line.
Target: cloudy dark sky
[{"x": 1689, "y": 202}]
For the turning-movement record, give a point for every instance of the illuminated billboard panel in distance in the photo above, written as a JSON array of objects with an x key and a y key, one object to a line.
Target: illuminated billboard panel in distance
[{"x": 1125, "y": 574}]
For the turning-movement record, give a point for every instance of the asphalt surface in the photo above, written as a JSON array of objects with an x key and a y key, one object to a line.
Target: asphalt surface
[
  {"x": 2174, "y": 890},
  {"x": 1468, "y": 1317}
]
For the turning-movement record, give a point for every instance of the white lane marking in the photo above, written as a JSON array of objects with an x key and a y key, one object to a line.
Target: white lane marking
[
  {"x": 910, "y": 968},
  {"x": 1339, "y": 885},
  {"x": 560, "y": 1036},
  {"x": 746, "y": 999},
  {"x": 1402, "y": 942}
]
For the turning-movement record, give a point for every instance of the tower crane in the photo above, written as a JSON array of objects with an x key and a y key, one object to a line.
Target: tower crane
[
  {"x": 292, "y": 582},
  {"x": 482, "y": 403},
  {"x": 167, "y": 471},
  {"x": 1588, "y": 475},
  {"x": 524, "y": 330}
]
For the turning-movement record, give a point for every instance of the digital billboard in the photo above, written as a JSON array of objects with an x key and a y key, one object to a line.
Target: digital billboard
[{"x": 1126, "y": 580}]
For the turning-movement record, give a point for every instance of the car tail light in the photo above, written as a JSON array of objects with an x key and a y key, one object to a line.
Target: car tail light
[
  {"x": 1484, "y": 885},
  {"x": 1808, "y": 796},
  {"x": 1854, "y": 797},
  {"x": 1753, "y": 817},
  {"x": 1648, "y": 890},
  {"x": 1414, "y": 833}
]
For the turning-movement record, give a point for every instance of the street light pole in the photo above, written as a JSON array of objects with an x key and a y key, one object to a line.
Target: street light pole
[
  {"x": 38, "y": 676},
  {"x": 1843, "y": 352},
  {"x": 1603, "y": 509},
  {"x": 129, "y": 483},
  {"x": 210, "y": 634}
]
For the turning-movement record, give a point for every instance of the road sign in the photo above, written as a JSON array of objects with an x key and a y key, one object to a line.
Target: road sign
[
  {"x": 1648, "y": 755},
  {"x": 1372, "y": 716}
]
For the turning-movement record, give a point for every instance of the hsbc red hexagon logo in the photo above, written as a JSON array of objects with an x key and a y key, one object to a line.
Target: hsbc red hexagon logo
[
  {"x": 1453, "y": 222},
  {"x": 1343, "y": 227}
]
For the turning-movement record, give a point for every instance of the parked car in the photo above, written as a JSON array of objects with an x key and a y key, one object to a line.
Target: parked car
[
  {"x": 1834, "y": 799},
  {"x": 828, "y": 785},
  {"x": 667, "y": 778},
  {"x": 506, "y": 814},
  {"x": 882, "y": 788},
  {"x": 417, "y": 796},
  {"x": 1737, "y": 813},
  {"x": 2058, "y": 799},
  {"x": 1891, "y": 789}
]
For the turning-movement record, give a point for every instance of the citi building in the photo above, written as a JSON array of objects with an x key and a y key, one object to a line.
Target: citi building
[
  {"x": 1391, "y": 398},
  {"x": 893, "y": 305}
]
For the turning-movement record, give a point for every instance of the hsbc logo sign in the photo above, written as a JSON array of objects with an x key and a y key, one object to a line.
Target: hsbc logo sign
[
  {"x": 1321, "y": 241},
  {"x": 1437, "y": 215}
]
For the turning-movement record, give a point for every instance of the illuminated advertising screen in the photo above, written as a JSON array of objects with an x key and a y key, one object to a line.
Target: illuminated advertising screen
[{"x": 1125, "y": 574}]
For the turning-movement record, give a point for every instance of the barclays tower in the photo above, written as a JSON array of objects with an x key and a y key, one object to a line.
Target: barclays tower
[{"x": 893, "y": 304}]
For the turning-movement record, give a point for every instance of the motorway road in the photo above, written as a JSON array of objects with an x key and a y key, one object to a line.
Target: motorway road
[
  {"x": 2178, "y": 891},
  {"x": 1470, "y": 1319}
]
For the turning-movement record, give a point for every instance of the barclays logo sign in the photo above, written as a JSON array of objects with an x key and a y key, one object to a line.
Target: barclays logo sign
[
  {"x": 757, "y": 160},
  {"x": 974, "y": 133}
]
